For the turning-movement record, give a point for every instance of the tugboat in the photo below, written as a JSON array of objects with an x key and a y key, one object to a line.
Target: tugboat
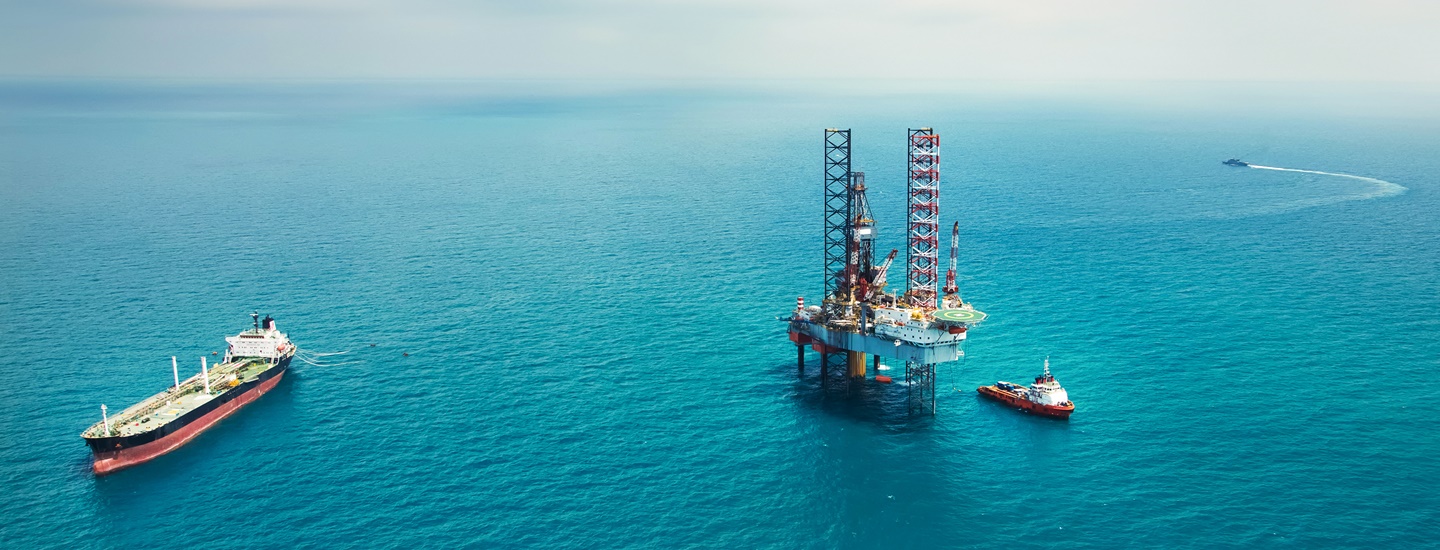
[
  {"x": 1045, "y": 397},
  {"x": 253, "y": 364},
  {"x": 1235, "y": 162}
]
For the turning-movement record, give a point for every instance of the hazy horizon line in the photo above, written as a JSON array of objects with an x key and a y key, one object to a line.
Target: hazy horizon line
[{"x": 1353, "y": 99}]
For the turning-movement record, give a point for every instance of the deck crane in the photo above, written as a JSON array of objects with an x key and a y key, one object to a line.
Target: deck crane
[
  {"x": 877, "y": 281},
  {"x": 952, "y": 291}
]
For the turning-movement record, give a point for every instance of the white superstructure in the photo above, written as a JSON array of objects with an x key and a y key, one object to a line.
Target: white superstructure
[
  {"x": 1046, "y": 391},
  {"x": 914, "y": 326},
  {"x": 264, "y": 341}
]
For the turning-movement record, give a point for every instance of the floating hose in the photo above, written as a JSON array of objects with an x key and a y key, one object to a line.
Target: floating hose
[{"x": 317, "y": 358}]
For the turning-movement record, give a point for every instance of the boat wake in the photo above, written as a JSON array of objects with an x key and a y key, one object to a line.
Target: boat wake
[{"x": 1379, "y": 189}]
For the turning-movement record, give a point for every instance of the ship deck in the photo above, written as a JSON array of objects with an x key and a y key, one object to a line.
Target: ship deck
[{"x": 166, "y": 406}]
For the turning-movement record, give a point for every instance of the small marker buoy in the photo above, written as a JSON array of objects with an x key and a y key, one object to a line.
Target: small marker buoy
[
  {"x": 372, "y": 345},
  {"x": 882, "y": 379}
]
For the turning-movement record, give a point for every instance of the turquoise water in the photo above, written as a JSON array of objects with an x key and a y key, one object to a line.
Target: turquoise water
[{"x": 586, "y": 288}]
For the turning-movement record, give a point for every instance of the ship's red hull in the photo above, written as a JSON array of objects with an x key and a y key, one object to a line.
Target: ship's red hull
[
  {"x": 114, "y": 460},
  {"x": 1010, "y": 398}
]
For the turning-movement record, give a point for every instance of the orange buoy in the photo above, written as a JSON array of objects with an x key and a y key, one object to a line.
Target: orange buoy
[{"x": 882, "y": 379}]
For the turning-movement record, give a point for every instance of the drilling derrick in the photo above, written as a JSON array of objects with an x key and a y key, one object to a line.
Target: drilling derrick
[
  {"x": 862, "y": 238},
  {"x": 862, "y": 256},
  {"x": 922, "y": 255},
  {"x": 857, "y": 317}
]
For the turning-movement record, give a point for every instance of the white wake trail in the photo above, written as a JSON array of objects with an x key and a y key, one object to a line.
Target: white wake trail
[
  {"x": 1378, "y": 188},
  {"x": 1382, "y": 188}
]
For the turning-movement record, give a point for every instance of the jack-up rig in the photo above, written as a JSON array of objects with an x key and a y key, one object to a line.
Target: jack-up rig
[{"x": 857, "y": 316}]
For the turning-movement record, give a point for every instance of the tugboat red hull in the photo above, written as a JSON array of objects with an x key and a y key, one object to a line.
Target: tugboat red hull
[{"x": 1061, "y": 412}]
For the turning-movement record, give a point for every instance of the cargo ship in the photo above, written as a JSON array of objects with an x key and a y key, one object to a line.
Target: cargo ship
[
  {"x": 1045, "y": 397},
  {"x": 253, "y": 364}
]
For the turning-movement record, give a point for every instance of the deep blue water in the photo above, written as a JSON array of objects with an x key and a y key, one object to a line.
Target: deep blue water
[{"x": 586, "y": 287}]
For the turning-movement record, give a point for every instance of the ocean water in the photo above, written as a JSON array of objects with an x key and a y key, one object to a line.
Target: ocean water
[{"x": 586, "y": 286}]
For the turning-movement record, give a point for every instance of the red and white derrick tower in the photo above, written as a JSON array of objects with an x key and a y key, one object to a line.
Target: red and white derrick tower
[{"x": 922, "y": 255}]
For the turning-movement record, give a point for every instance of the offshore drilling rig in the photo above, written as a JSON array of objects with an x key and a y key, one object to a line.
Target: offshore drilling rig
[{"x": 857, "y": 316}]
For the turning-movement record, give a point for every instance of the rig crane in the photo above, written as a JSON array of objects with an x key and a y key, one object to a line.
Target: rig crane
[
  {"x": 952, "y": 292},
  {"x": 877, "y": 279}
]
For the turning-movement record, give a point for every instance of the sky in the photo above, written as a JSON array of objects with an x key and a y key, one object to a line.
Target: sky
[{"x": 1371, "y": 41}]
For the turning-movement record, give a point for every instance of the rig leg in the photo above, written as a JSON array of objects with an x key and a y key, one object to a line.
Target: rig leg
[
  {"x": 877, "y": 365},
  {"x": 800, "y": 357},
  {"x": 855, "y": 364},
  {"x": 930, "y": 385},
  {"x": 909, "y": 384},
  {"x": 920, "y": 383},
  {"x": 831, "y": 362}
]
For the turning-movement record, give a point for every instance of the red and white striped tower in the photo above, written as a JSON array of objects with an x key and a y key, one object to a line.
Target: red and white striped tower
[{"x": 923, "y": 253}]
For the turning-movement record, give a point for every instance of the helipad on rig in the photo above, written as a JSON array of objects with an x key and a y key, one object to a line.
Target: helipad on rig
[
  {"x": 858, "y": 316},
  {"x": 959, "y": 315}
]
